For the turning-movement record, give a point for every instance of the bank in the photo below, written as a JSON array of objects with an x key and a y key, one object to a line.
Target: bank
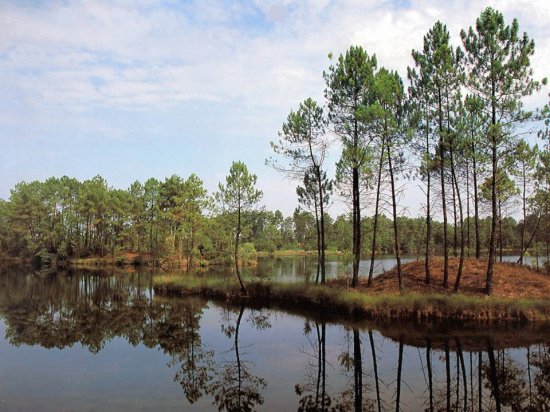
[{"x": 521, "y": 294}]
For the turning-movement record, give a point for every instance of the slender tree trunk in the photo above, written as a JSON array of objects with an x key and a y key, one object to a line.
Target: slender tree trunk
[
  {"x": 318, "y": 230},
  {"x": 493, "y": 374},
  {"x": 471, "y": 382},
  {"x": 457, "y": 402},
  {"x": 535, "y": 230},
  {"x": 323, "y": 364},
  {"x": 524, "y": 208},
  {"x": 239, "y": 372},
  {"x": 356, "y": 229},
  {"x": 237, "y": 235},
  {"x": 356, "y": 206},
  {"x": 375, "y": 224},
  {"x": 455, "y": 223},
  {"x": 319, "y": 366},
  {"x": 479, "y": 382},
  {"x": 448, "y": 374},
  {"x": 500, "y": 239},
  {"x": 375, "y": 367},
  {"x": 428, "y": 214},
  {"x": 468, "y": 236},
  {"x": 430, "y": 376},
  {"x": 322, "y": 229},
  {"x": 476, "y": 204},
  {"x": 395, "y": 228},
  {"x": 459, "y": 200},
  {"x": 494, "y": 211},
  {"x": 464, "y": 377},
  {"x": 358, "y": 371},
  {"x": 529, "y": 377},
  {"x": 399, "y": 369},
  {"x": 443, "y": 196}
]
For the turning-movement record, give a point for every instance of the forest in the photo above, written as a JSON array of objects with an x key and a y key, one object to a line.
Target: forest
[
  {"x": 69, "y": 218},
  {"x": 455, "y": 124}
]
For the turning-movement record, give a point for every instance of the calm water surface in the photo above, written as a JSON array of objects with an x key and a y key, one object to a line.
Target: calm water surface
[{"x": 88, "y": 341}]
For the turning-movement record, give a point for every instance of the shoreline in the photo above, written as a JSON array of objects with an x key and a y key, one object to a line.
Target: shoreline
[{"x": 349, "y": 303}]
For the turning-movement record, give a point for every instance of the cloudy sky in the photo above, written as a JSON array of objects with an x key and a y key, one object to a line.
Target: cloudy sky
[{"x": 137, "y": 89}]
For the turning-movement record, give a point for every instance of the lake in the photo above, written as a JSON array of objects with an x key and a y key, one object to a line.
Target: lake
[
  {"x": 98, "y": 341},
  {"x": 303, "y": 268}
]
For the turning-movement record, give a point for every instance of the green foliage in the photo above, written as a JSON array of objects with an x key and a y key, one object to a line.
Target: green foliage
[{"x": 247, "y": 251}]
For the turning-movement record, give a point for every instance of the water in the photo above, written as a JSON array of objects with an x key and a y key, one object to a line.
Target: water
[
  {"x": 83, "y": 341},
  {"x": 304, "y": 268}
]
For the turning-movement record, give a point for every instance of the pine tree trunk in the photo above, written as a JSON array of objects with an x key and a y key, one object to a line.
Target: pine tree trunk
[
  {"x": 358, "y": 371},
  {"x": 428, "y": 215},
  {"x": 492, "y": 239},
  {"x": 443, "y": 199},
  {"x": 322, "y": 229},
  {"x": 356, "y": 228},
  {"x": 459, "y": 200},
  {"x": 524, "y": 208},
  {"x": 375, "y": 224},
  {"x": 395, "y": 228},
  {"x": 236, "y": 254},
  {"x": 476, "y": 205}
]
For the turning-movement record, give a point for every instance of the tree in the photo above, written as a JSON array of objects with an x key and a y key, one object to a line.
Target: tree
[
  {"x": 421, "y": 101},
  {"x": 525, "y": 157},
  {"x": 194, "y": 202},
  {"x": 304, "y": 144},
  {"x": 437, "y": 70},
  {"x": 348, "y": 91},
  {"x": 499, "y": 74},
  {"x": 237, "y": 197},
  {"x": 386, "y": 116},
  {"x": 473, "y": 124}
]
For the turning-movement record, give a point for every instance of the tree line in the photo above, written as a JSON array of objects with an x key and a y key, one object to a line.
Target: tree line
[
  {"x": 177, "y": 218},
  {"x": 457, "y": 129}
]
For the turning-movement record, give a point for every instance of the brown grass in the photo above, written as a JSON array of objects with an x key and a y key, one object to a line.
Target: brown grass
[{"x": 509, "y": 280}]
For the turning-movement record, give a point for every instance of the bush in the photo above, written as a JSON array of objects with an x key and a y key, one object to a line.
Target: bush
[{"x": 247, "y": 251}]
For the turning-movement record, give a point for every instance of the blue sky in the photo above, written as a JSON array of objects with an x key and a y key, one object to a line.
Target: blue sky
[{"x": 137, "y": 89}]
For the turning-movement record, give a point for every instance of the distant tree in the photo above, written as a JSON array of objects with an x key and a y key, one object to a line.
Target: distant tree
[
  {"x": 195, "y": 201},
  {"x": 237, "y": 197},
  {"x": 151, "y": 194}
]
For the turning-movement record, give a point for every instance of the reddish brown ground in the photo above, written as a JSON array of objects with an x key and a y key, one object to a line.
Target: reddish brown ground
[{"x": 509, "y": 280}]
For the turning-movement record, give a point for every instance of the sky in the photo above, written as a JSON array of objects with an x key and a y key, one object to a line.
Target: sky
[{"x": 136, "y": 89}]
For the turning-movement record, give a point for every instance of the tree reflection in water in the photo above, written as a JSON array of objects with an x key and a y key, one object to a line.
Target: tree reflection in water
[
  {"x": 313, "y": 391},
  {"x": 463, "y": 369},
  {"x": 236, "y": 388}
]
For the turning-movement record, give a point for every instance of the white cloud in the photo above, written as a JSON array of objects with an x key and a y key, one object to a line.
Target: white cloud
[
  {"x": 148, "y": 55},
  {"x": 63, "y": 60}
]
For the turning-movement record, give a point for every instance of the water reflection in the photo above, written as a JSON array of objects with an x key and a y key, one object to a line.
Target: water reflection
[
  {"x": 237, "y": 358},
  {"x": 236, "y": 387}
]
